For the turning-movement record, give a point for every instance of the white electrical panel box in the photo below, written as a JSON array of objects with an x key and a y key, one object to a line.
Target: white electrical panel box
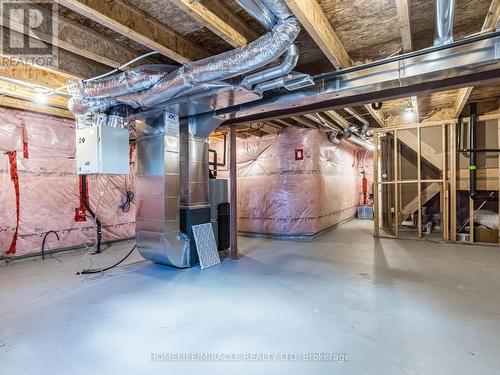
[{"x": 102, "y": 149}]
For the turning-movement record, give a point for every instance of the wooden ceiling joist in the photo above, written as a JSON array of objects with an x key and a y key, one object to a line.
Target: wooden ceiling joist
[
  {"x": 321, "y": 31},
  {"x": 67, "y": 64},
  {"x": 133, "y": 23},
  {"x": 306, "y": 122},
  {"x": 376, "y": 115},
  {"x": 219, "y": 19},
  {"x": 76, "y": 39},
  {"x": 26, "y": 93},
  {"x": 403, "y": 10},
  {"x": 491, "y": 20},
  {"x": 312, "y": 17},
  {"x": 282, "y": 123},
  {"x": 25, "y": 105},
  {"x": 337, "y": 118},
  {"x": 33, "y": 75}
]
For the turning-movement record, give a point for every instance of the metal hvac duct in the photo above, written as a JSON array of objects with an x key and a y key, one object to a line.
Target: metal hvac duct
[
  {"x": 171, "y": 187},
  {"x": 445, "y": 10},
  {"x": 172, "y": 168},
  {"x": 289, "y": 61},
  {"x": 259, "y": 11},
  {"x": 95, "y": 96},
  {"x": 157, "y": 193}
]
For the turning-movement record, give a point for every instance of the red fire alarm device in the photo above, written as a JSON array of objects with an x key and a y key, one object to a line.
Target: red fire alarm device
[{"x": 299, "y": 154}]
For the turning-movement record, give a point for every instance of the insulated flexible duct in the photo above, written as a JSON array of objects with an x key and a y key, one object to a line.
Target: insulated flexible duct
[{"x": 89, "y": 98}]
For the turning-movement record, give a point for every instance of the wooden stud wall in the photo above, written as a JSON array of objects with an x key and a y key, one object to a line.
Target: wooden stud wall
[{"x": 448, "y": 181}]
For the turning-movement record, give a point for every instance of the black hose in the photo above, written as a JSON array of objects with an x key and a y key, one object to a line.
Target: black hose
[
  {"x": 43, "y": 242},
  {"x": 473, "y": 152},
  {"x": 88, "y": 272},
  {"x": 129, "y": 197},
  {"x": 87, "y": 206}
]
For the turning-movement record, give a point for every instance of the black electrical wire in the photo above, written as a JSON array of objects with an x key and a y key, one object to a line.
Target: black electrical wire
[
  {"x": 87, "y": 206},
  {"x": 88, "y": 272},
  {"x": 129, "y": 197},
  {"x": 43, "y": 242}
]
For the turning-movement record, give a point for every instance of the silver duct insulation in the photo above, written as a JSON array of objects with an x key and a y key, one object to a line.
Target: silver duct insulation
[
  {"x": 445, "y": 10},
  {"x": 289, "y": 61},
  {"x": 137, "y": 79},
  {"x": 89, "y": 98}
]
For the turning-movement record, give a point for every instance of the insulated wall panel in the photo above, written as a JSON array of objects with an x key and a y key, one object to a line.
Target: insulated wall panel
[
  {"x": 49, "y": 187},
  {"x": 297, "y": 182}
]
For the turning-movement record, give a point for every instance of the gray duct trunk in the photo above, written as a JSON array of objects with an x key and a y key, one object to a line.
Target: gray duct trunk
[
  {"x": 445, "y": 10},
  {"x": 172, "y": 189}
]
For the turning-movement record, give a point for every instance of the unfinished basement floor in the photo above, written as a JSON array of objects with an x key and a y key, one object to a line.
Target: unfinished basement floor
[{"x": 395, "y": 307}]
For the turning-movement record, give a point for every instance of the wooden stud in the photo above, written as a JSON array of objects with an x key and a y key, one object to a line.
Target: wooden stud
[
  {"x": 396, "y": 184},
  {"x": 471, "y": 220},
  {"x": 444, "y": 199},
  {"x": 427, "y": 123},
  {"x": 376, "y": 187},
  {"x": 453, "y": 178},
  {"x": 233, "y": 172},
  {"x": 498, "y": 171},
  {"x": 419, "y": 182}
]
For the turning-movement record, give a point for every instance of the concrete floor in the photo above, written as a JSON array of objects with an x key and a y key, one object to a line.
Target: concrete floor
[{"x": 395, "y": 307}]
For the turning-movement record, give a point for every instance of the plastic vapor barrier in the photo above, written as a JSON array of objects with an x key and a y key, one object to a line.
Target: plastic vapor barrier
[
  {"x": 49, "y": 187},
  {"x": 297, "y": 182}
]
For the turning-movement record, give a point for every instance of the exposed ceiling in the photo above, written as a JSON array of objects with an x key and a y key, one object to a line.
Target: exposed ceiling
[{"x": 95, "y": 36}]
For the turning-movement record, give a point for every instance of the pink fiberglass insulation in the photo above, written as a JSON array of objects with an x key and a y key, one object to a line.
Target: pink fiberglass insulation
[
  {"x": 49, "y": 187},
  {"x": 280, "y": 195}
]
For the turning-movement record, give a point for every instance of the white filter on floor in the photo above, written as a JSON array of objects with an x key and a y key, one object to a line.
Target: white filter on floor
[{"x": 205, "y": 245}]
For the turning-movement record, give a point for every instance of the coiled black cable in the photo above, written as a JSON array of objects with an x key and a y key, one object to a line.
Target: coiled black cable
[
  {"x": 99, "y": 270},
  {"x": 43, "y": 242},
  {"x": 129, "y": 197}
]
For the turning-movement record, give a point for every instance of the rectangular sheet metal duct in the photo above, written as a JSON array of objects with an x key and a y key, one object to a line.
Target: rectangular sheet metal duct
[{"x": 476, "y": 61}]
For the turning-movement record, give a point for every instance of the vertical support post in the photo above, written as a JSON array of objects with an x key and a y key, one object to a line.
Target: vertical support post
[
  {"x": 444, "y": 200},
  {"x": 453, "y": 178},
  {"x": 498, "y": 145},
  {"x": 396, "y": 184},
  {"x": 376, "y": 229},
  {"x": 471, "y": 220},
  {"x": 419, "y": 183},
  {"x": 233, "y": 198}
]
